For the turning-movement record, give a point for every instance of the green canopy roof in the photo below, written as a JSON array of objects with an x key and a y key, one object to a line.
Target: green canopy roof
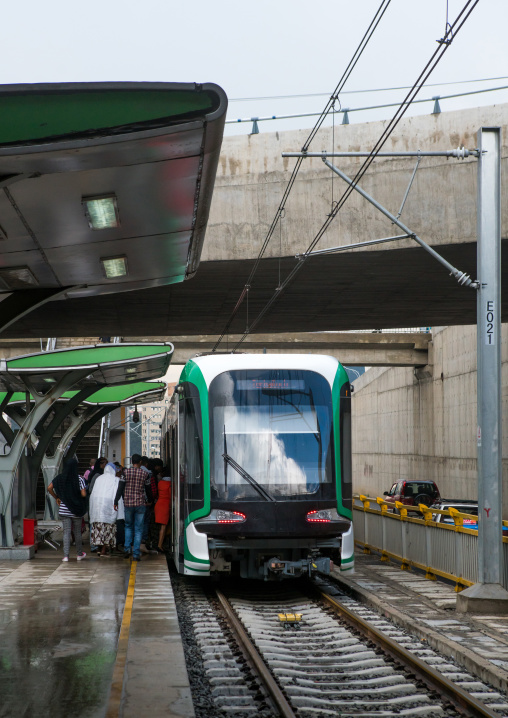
[
  {"x": 108, "y": 365},
  {"x": 109, "y": 190},
  {"x": 79, "y": 111},
  {"x": 137, "y": 392}
]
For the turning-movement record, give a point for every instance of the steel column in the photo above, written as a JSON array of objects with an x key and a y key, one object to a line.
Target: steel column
[
  {"x": 83, "y": 431},
  {"x": 488, "y": 595},
  {"x": 51, "y": 465},
  {"x": 9, "y": 463},
  {"x": 489, "y": 358}
]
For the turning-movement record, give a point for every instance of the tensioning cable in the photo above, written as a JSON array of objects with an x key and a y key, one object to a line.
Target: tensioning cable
[{"x": 329, "y": 105}]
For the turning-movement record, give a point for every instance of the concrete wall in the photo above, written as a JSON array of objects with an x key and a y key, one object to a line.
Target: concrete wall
[
  {"x": 421, "y": 423},
  {"x": 441, "y": 207}
]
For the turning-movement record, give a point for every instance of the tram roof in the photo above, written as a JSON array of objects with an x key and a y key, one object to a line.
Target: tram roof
[
  {"x": 212, "y": 365},
  {"x": 108, "y": 364},
  {"x": 106, "y": 186}
]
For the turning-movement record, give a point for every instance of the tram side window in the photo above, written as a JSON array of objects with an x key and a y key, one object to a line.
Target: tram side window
[
  {"x": 191, "y": 453},
  {"x": 345, "y": 450}
]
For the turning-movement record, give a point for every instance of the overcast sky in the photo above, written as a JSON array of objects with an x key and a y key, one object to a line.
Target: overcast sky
[{"x": 258, "y": 48}]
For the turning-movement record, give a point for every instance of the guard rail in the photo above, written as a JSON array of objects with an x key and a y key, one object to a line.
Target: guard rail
[{"x": 440, "y": 549}]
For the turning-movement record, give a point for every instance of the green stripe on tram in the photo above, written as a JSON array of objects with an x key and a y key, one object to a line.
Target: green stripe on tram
[{"x": 198, "y": 570}]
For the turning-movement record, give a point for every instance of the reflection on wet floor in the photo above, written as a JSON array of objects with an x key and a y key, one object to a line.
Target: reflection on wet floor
[{"x": 59, "y": 626}]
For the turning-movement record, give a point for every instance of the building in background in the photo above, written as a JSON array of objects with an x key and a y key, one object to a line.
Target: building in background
[{"x": 145, "y": 435}]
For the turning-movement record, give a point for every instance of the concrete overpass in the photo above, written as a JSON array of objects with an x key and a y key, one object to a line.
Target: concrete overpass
[
  {"x": 370, "y": 349},
  {"x": 379, "y": 287}
]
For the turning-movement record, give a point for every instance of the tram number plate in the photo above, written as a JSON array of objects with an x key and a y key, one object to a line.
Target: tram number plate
[{"x": 490, "y": 335}]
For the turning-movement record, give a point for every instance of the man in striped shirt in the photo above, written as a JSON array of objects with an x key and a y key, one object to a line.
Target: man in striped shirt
[{"x": 136, "y": 492}]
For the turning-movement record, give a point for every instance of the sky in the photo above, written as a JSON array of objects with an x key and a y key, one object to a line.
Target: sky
[{"x": 260, "y": 48}]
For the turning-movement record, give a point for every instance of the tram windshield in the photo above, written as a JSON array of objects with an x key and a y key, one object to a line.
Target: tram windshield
[{"x": 271, "y": 435}]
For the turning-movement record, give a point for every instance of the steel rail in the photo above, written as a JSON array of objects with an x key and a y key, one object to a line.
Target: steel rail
[
  {"x": 435, "y": 680},
  {"x": 266, "y": 677}
]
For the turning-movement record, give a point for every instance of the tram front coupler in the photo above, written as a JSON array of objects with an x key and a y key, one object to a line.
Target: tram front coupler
[{"x": 277, "y": 568}]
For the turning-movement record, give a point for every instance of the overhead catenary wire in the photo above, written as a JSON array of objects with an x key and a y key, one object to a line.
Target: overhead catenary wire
[
  {"x": 329, "y": 105},
  {"x": 360, "y": 92},
  {"x": 424, "y": 74},
  {"x": 367, "y": 107}
]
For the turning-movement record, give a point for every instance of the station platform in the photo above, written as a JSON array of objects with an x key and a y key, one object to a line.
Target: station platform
[
  {"x": 427, "y": 608},
  {"x": 96, "y": 638}
]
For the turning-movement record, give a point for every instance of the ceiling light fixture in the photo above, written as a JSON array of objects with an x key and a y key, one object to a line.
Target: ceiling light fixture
[
  {"x": 101, "y": 211},
  {"x": 114, "y": 266},
  {"x": 17, "y": 277}
]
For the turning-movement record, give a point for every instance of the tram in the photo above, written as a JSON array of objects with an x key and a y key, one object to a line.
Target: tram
[{"x": 260, "y": 453}]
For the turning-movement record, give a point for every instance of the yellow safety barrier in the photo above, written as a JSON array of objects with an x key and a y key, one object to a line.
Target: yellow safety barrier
[{"x": 430, "y": 548}]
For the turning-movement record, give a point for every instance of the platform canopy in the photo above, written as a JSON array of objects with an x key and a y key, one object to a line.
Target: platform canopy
[
  {"x": 80, "y": 385},
  {"x": 104, "y": 187},
  {"x": 138, "y": 392},
  {"x": 107, "y": 365}
]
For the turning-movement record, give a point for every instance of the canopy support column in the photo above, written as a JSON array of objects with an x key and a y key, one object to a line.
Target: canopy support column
[
  {"x": 52, "y": 465},
  {"x": 44, "y": 439},
  {"x": 9, "y": 463},
  {"x": 100, "y": 412}
]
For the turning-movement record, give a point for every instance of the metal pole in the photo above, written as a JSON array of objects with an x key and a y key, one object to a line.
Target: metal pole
[
  {"x": 488, "y": 595},
  {"x": 368, "y": 242},
  {"x": 128, "y": 435},
  {"x": 460, "y": 153},
  {"x": 461, "y": 277}
]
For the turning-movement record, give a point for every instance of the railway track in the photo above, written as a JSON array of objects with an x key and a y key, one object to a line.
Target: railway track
[{"x": 344, "y": 659}]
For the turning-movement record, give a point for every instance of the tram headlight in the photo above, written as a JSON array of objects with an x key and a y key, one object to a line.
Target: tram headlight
[
  {"x": 323, "y": 516},
  {"x": 221, "y": 516}
]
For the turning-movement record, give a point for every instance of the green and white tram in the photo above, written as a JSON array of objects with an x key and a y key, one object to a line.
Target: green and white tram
[{"x": 260, "y": 451}]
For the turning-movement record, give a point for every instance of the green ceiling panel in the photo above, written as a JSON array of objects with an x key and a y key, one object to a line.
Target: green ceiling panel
[
  {"x": 89, "y": 356},
  {"x": 107, "y": 395},
  {"x": 125, "y": 392}
]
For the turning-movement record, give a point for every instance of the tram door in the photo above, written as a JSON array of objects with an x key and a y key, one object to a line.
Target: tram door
[{"x": 190, "y": 463}]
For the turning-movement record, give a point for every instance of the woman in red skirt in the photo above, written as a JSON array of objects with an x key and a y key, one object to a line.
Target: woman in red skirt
[{"x": 162, "y": 507}]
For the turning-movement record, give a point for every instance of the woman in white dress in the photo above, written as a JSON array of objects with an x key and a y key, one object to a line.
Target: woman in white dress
[{"x": 102, "y": 513}]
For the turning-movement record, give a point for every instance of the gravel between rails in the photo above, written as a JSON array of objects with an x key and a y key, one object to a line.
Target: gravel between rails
[
  {"x": 222, "y": 684},
  {"x": 324, "y": 668}
]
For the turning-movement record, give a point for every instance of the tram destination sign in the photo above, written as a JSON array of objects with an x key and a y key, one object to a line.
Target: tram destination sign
[{"x": 275, "y": 384}]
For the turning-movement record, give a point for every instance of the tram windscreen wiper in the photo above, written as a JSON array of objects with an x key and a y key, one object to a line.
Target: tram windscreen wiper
[{"x": 240, "y": 470}]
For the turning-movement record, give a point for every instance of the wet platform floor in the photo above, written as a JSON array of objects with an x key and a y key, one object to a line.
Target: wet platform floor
[{"x": 60, "y": 653}]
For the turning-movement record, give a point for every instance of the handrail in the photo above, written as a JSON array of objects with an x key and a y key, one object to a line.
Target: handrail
[
  {"x": 455, "y": 514},
  {"x": 444, "y": 548}
]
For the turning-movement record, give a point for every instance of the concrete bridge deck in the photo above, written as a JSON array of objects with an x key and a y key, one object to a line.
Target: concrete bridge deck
[{"x": 382, "y": 287}]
